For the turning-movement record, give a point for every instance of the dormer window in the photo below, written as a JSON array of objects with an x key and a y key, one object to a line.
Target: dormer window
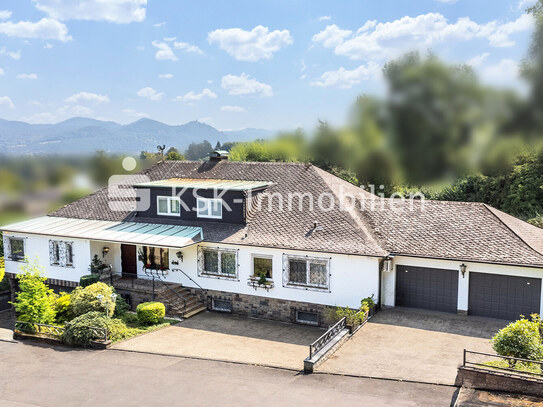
[
  {"x": 209, "y": 208},
  {"x": 167, "y": 205}
]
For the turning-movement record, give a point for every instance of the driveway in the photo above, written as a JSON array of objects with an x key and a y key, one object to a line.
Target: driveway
[
  {"x": 224, "y": 337},
  {"x": 416, "y": 345},
  {"x": 6, "y": 325}
]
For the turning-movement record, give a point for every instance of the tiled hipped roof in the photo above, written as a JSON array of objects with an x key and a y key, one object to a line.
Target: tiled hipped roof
[{"x": 448, "y": 230}]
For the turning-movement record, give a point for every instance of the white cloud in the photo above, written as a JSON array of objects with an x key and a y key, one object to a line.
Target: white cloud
[
  {"x": 150, "y": 93},
  {"x": 1, "y": 72},
  {"x": 81, "y": 110},
  {"x": 232, "y": 109},
  {"x": 158, "y": 25},
  {"x": 193, "y": 96},
  {"x": 447, "y": 1},
  {"x": 12, "y": 54},
  {"x": 185, "y": 46},
  {"x": 5, "y": 100},
  {"x": 114, "y": 11},
  {"x": 504, "y": 73},
  {"x": 243, "y": 85},
  {"x": 46, "y": 28},
  {"x": 375, "y": 40},
  {"x": 205, "y": 119},
  {"x": 164, "y": 51},
  {"x": 133, "y": 113},
  {"x": 165, "y": 76},
  {"x": 252, "y": 45},
  {"x": 345, "y": 79},
  {"x": 31, "y": 76},
  {"x": 324, "y": 18},
  {"x": 5, "y": 14},
  {"x": 524, "y": 4},
  {"x": 87, "y": 97},
  {"x": 478, "y": 59},
  {"x": 169, "y": 39},
  {"x": 48, "y": 46}
]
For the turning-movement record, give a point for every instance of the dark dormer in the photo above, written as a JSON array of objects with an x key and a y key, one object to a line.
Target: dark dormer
[
  {"x": 218, "y": 155},
  {"x": 214, "y": 200}
]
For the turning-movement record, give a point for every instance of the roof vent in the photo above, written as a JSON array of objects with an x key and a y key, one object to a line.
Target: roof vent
[{"x": 218, "y": 155}]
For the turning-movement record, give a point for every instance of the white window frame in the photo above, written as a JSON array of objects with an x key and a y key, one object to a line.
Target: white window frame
[
  {"x": 261, "y": 256},
  {"x": 308, "y": 260},
  {"x": 208, "y": 202},
  {"x": 219, "y": 274},
  {"x": 169, "y": 199},
  {"x": 62, "y": 260},
  {"x": 23, "y": 240}
]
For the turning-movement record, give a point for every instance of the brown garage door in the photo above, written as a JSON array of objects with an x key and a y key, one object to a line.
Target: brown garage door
[
  {"x": 504, "y": 297},
  {"x": 427, "y": 288}
]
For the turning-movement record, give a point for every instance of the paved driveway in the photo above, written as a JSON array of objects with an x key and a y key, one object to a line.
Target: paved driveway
[
  {"x": 225, "y": 337},
  {"x": 408, "y": 344}
]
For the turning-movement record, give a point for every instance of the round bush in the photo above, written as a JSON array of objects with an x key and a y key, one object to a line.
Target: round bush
[
  {"x": 79, "y": 330},
  {"x": 85, "y": 299},
  {"x": 150, "y": 312},
  {"x": 519, "y": 339}
]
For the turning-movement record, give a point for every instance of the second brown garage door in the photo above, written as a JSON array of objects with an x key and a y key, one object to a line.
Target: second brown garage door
[
  {"x": 427, "y": 288},
  {"x": 504, "y": 297}
]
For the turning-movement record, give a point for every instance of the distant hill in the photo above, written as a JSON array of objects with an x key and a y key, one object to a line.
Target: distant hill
[{"x": 83, "y": 135}]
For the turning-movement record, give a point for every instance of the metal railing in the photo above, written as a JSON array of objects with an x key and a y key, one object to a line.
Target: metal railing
[
  {"x": 325, "y": 338},
  {"x": 43, "y": 329},
  {"x": 179, "y": 296},
  {"x": 198, "y": 293},
  {"x": 54, "y": 331},
  {"x": 523, "y": 366}
]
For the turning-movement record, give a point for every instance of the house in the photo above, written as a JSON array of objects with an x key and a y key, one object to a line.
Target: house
[{"x": 286, "y": 240}]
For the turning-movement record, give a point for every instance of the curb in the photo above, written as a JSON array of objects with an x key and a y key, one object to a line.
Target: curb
[{"x": 392, "y": 379}]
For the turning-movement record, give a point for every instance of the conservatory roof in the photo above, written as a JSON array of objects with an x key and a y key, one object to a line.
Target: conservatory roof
[{"x": 149, "y": 234}]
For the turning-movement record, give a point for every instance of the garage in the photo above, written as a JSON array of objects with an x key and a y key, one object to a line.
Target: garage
[
  {"x": 427, "y": 288},
  {"x": 502, "y": 296}
]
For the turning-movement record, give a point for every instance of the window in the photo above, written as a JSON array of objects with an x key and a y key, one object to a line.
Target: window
[
  {"x": 307, "y": 271},
  {"x": 309, "y": 318},
  {"x": 217, "y": 262},
  {"x": 61, "y": 253},
  {"x": 262, "y": 266},
  {"x": 17, "y": 249},
  {"x": 167, "y": 205},
  {"x": 209, "y": 208},
  {"x": 156, "y": 258},
  {"x": 221, "y": 305}
]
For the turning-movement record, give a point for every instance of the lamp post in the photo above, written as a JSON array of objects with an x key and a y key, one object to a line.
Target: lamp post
[{"x": 103, "y": 301}]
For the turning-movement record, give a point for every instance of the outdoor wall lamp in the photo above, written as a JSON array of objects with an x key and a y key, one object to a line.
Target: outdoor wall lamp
[
  {"x": 105, "y": 250},
  {"x": 463, "y": 268},
  {"x": 179, "y": 255}
]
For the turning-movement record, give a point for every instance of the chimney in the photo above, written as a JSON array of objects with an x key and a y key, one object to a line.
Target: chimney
[{"x": 218, "y": 155}]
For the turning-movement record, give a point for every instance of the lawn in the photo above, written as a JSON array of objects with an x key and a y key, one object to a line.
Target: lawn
[
  {"x": 530, "y": 368},
  {"x": 135, "y": 328}
]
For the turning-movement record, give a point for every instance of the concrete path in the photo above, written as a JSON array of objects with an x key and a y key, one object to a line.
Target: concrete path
[
  {"x": 225, "y": 337},
  {"x": 39, "y": 375},
  {"x": 416, "y": 345}
]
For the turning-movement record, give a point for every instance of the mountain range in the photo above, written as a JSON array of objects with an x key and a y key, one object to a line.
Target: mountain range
[{"x": 82, "y": 135}]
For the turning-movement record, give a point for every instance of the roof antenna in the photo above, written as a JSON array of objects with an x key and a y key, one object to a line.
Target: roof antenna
[{"x": 316, "y": 227}]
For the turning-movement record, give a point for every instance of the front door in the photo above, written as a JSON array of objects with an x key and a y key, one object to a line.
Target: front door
[{"x": 129, "y": 260}]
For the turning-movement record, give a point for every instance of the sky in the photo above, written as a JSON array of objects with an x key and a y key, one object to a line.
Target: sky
[{"x": 272, "y": 64}]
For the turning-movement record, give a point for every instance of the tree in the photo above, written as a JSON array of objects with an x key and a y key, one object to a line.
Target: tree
[
  {"x": 35, "y": 300},
  {"x": 198, "y": 151},
  {"x": 85, "y": 300},
  {"x": 174, "y": 155},
  {"x": 519, "y": 339},
  {"x": 218, "y": 146}
]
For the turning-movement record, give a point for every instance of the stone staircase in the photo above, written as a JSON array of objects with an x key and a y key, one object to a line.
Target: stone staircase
[{"x": 179, "y": 300}]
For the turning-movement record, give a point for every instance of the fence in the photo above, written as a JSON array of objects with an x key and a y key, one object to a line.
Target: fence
[
  {"x": 325, "y": 338},
  {"x": 506, "y": 364},
  {"x": 52, "y": 331}
]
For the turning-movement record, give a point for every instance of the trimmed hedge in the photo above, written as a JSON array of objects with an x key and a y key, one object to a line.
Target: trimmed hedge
[
  {"x": 150, "y": 312},
  {"x": 88, "y": 279},
  {"x": 79, "y": 330}
]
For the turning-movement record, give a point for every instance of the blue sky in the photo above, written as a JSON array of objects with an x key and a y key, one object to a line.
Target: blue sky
[{"x": 273, "y": 64}]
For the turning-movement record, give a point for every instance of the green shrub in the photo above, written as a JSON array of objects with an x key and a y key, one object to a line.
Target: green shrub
[
  {"x": 368, "y": 302},
  {"x": 62, "y": 308},
  {"x": 86, "y": 299},
  {"x": 117, "y": 330},
  {"x": 121, "y": 306},
  {"x": 520, "y": 339},
  {"x": 35, "y": 300},
  {"x": 79, "y": 330},
  {"x": 88, "y": 279},
  {"x": 150, "y": 312}
]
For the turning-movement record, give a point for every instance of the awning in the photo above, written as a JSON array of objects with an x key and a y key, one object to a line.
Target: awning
[
  {"x": 149, "y": 234},
  {"x": 202, "y": 183}
]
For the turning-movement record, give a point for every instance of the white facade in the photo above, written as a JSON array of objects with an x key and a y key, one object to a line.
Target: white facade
[
  {"x": 388, "y": 287},
  {"x": 351, "y": 278}
]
